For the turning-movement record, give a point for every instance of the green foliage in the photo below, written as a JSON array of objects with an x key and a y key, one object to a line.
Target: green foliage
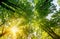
[
  {"x": 30, "y": 18},
  {"x": 43, "y": 8},
  {"x": 59, "y": 2}
]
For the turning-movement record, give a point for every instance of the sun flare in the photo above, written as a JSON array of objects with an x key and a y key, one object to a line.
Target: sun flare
[{"x": 14, "y": 29}]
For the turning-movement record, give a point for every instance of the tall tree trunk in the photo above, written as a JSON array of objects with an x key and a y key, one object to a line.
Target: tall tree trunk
[{"x": 51, "y": 33}]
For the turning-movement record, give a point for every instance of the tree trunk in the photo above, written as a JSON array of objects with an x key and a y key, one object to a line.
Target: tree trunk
[{"x": 51, "y": 33}]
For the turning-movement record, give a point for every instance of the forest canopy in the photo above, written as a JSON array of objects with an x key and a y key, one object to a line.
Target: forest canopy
[{"x": 29, "y": 19}]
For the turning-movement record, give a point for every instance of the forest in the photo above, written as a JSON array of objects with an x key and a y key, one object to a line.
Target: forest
[{"x": 29, "y": 19}]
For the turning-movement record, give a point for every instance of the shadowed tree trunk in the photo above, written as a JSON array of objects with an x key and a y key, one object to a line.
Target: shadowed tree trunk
[{"x": 50, "y": 32}]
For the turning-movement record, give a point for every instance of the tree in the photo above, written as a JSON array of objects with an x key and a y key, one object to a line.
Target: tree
[{"x": 29, "y": 17}]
